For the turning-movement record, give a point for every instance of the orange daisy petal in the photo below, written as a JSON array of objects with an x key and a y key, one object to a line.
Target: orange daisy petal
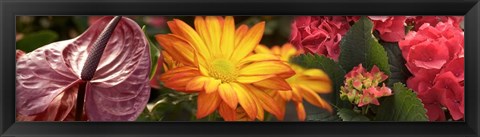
[
  {"x": 287, "y": 51},
  {"x": 246, "y": 101},
  {"x": 202, "y": 29},
  {"x": 228, "y": 37},
  {"x": 316, "y": 74},
  {"x": 313, "y": 98},
  {"x": 169, "y": 74},
  {"x": 300, "y": 111},
  {"x": 258, "y": 57},
  {"x": 276, "y": 50},
  {"x": 207, "y": 103},
  {"x": 211, "y": 85},
  {"x": 174, "y": 28},
  {"x": 240, "y": 33},
  {"x": 267, "y": 102},
  {"x": 249, "y": 42},
  {"x": 178, "y": 80},
  {"x": 228, "y": 95},
  {"x": 252, "y": 79},
  {"x": 196, "y": 84},
  {"x": 263, "y": 49},
  {"x": 176, "y": 47},
  {"x": 296, "y": 95},
  {"x": 285, "y": 94},
  {"x": 227, "y": 113},
  {"x": 273, "y": 83},
  {"x": 192, "y": 36},
  {"x": 215, "y": 31},
  {"x": 319, "y": 86},
  {"x": 260, "y": 113},
  {"x": 267, "y": 68}
]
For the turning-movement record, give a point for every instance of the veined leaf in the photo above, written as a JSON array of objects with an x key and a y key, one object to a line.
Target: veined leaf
[
  {"x": 399, "y": 72},
  {"x": 350, "y": 115},
  {"x": 119, "y": 89},
  {"x": 402, "y": 106},
  {"x": 359, "y": 46}
]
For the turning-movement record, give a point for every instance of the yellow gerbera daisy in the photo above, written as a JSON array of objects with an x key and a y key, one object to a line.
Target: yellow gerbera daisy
[
  {"x": 218, "y": 63},
  {"x": 306, "y": 83}
]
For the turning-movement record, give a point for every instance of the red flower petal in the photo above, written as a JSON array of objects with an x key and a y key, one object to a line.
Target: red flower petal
[
  {"x": 452, "y": 93},
  {"x": 428, "y": 56}
]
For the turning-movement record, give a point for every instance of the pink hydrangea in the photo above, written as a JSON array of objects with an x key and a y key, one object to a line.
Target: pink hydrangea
[
  {"x": 418, "y": 21},
  {"x": 319, "y": 34},
  {"x": 362, "y": 87},
  {"x": 390, "y": 28},
  {"x": 435, "y": 57}
]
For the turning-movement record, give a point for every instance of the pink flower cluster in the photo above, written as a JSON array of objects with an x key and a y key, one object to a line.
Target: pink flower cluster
[
  {"x": 361, "y": 87},
  {"x": 434, "y": 54},
  {"x": 319, "y": 34}
]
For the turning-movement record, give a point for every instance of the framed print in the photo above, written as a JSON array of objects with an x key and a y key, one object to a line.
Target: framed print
[{"x": 239, "y": 68}]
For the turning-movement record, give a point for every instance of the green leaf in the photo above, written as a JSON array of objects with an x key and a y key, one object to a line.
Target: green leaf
[
  {"x": 160, "y": 109},
  {"x": 322, "y": 116},
  {"x": 350, "y": 115},
  {"x": 36, "y": 40},
  {"x": 359, "y": 46},
  {"x": 145, "y": 115},
  {"x": 408, "y": 28},
  {"x": 154, "y": 55},
  {"x": 402, "y": 106},
  {"x": 399, "y": 72},
  {"x": 333, "y": 69}
]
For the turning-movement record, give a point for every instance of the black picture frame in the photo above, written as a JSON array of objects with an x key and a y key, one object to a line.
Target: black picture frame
[{"x": 11, "y": 8}]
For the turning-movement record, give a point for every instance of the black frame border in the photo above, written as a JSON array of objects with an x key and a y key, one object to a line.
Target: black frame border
[{"x": 11, "y": 8}]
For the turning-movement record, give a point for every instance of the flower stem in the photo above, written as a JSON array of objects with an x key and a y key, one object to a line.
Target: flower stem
[
  {"x": 91, "y": 64},
  {"x": 80, "y": 101}
]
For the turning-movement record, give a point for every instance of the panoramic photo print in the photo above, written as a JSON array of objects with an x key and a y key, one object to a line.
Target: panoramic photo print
[{"x": 240, "y": 68}]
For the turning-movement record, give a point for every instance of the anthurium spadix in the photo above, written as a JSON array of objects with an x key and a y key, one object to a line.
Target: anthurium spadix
[{"x": 101, "y": 75}]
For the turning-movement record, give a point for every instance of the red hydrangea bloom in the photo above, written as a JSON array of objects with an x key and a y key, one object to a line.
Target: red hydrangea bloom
[
  {"x": 435, "y": 57},
  {"x": 319, "y": 34},
  {"x": 418, "y": 21},
  {"x": 391, "y": 28}
]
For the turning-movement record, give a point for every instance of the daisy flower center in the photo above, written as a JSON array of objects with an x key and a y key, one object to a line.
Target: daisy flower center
[{"x": 224, "y": 70}]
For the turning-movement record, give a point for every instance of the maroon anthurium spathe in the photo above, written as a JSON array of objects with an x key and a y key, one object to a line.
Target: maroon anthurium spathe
[{"x": 113, "y": 78}]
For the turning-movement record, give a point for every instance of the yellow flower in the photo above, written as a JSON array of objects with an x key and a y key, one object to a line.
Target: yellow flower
[
  {"x": 306, "y": 83},
  {"x": 218, "y": 63}
]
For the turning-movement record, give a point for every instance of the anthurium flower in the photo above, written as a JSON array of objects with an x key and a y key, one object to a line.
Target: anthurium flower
[
  {"x": 108, "y": 64},
  {"x": 216, "y": 61},
  {"x": 306, "y": 84},
  {"x": 362, "y": 87},
  {"x": 319, "y": 34}
]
